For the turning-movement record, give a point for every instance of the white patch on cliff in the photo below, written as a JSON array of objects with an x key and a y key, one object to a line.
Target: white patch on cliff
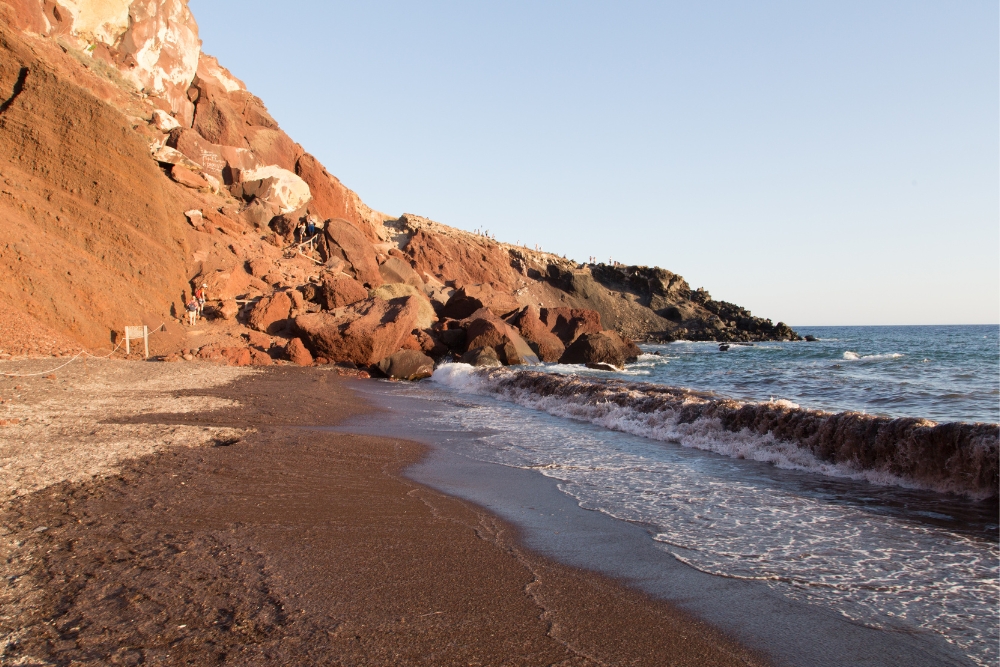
[{"x": 285, "y": 190}]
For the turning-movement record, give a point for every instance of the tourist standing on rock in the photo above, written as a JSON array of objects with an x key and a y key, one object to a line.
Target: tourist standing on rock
[
  {"x": 300, "y": 232},
  {"x": 201, "y": 297},
  {"x": 192, "y": 310},
  {"x": 310, "y": 226}
]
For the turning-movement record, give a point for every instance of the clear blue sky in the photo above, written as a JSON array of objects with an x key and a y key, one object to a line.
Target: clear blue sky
[{"x": 816, "y": 162}]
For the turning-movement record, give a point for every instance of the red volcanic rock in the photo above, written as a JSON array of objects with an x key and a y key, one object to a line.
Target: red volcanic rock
[
  {"x": 484, "y": 329},
  {"x": 606, "y": 347},
  {"x": 297, "y": 352},
  {"x": 273, "y": 146},
  {"x": 471, "y": 298},
  {"x": 548, "y": 346},
  {"x": 346, "y": 242},
  {"x": 570, "y": 323},
  {"x": 269, "y": 314},
  {"x": 395, "y": 270},
  {"x": 364, "y": 333},
  {"x": 259, "y": 358},
  {"x": 337, "y": 291},
  {"x": 464, "y": 259},
  {"x": 206, "y": 154},
  {"x": 331, "y": 199},
  {"x": 407, "y": 365},
  {"x": 228, "y": 309},
  {"x": 259, "y": 340},
  {"x": 188, "y": 178},
  {"x": 229, "y": 284}
]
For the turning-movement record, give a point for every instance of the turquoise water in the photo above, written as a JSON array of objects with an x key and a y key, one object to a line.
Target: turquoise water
[{"x": 943, "y": 373}]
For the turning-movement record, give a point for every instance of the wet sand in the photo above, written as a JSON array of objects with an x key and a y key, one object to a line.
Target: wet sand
[{"x": 276, "y": 545}]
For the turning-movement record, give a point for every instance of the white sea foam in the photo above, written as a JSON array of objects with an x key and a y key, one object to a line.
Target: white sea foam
[
  {"x": 854, "y": 356},
  {"x": 667, "y": 425},
  {"x": 722, "y": 519}
]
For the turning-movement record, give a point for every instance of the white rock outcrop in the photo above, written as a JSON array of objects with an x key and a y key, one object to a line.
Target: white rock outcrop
[
  {"x": 154, "y": 43},
  {"x": 279, "y": 187}
]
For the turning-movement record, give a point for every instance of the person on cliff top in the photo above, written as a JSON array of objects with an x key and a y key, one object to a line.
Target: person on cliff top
[{"x": 192, "y": 311}]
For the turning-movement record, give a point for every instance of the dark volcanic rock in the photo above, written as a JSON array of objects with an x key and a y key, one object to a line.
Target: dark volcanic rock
[
  {"x": 571, "y": 323},
  {"x": 606, "y": 347},
  {"x": 481, "y": 356},
  {"x": 407, "y": 365}
]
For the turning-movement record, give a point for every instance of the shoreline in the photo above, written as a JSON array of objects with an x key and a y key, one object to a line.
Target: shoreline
[
  {"x": 552, "y": 521},
  {"x": 282, "y": 544}
]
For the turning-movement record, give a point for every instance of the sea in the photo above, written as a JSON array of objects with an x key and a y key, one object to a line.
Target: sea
[{"x": 911, "y": 560}]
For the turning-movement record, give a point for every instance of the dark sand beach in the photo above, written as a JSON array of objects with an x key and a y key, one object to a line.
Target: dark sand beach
[{"x": 267, "y": 543}]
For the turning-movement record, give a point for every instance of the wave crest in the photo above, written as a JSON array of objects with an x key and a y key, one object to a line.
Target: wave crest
[{"x": 955, "y": 457}]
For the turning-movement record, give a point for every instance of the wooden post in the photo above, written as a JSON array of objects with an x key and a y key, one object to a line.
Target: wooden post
[{"x": 137, "y": 333}]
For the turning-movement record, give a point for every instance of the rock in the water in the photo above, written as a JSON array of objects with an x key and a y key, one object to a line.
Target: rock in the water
[
  {"x": 395, "y": 270},
  {"x": 599, "y": 366},
  {"x": 269, "y": 314},
  {"x": 297, "y": 353},
  {"x": 426, "y": 318},
  {"x": 812, "y": 339},
  {"x": 364, "y": 333},
  {"x": 407, "y": 365},
  {"x": 605, "y": 347},
  {"x": 481, "y": 356},
  {"x": 484, "y": 329},
  {"x": 548, "y": 346},
  {"x": 338, "y": 290}
]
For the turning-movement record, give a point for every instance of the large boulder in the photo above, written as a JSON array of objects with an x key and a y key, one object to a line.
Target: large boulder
[
  {"x": 297, "y": 353},
  {"x": 407, "y": 365},
  {"x": 273, "y": 185},
  {"x": 484, "y": 329},
  {"x": 270, "y": 313},
  {"x": 471, "y": 298},
  {"x": 570, "y": 323},
  {"x": 395, "y": 270},
  {"x": 339, "y": 290},
  {"x": 226, "y": 284},
  {"x": 345, "y": 242},
  {"x": 606, "y": 347},
  {"x": 546, "y": 344},
  {"x": 426, "y": 318},
  {"x": 364, "y": 333},
  {"x": 481, "y": 356}
]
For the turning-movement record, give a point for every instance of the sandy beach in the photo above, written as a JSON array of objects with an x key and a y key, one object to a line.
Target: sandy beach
[{"x": 179, "y": 514}]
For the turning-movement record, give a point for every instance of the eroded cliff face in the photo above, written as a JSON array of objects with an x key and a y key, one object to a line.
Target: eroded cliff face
[{"x": 135, "y": 167}]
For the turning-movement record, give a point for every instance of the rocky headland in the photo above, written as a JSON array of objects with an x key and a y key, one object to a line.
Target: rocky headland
[{"x": 134, "y": 168}]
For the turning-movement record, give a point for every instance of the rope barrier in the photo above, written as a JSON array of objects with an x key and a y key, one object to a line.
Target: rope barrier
[{"x": 78, "y": 355}]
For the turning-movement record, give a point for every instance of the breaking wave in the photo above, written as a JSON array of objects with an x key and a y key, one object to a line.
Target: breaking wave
[
  {"x": 958, "y": 457},
  {"x": 854, "y": 356}
]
